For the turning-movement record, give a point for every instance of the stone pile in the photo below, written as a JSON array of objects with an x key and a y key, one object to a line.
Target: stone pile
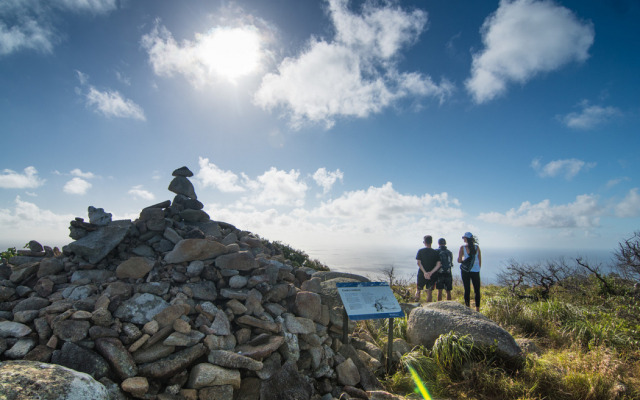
[{"x": 176, "y": 305}]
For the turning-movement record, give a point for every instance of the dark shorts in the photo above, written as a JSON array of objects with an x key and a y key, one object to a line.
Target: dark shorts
[
  {"x": 424, "y": 282},
  {"x": 445, "y": 281}
]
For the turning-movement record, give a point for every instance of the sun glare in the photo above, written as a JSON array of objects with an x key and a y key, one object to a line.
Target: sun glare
[{"x": 231, "y": 52}]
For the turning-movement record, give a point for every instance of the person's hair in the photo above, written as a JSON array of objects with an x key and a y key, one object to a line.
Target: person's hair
[
  {"x": 442, "y": 242},
  {"x": 428, "y": 239},
  {"x": 471, "y": 242}
]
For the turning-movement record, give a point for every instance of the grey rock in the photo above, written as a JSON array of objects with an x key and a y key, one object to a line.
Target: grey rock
[
  {"x": 97, "y": 244},
  {"x": 81, "y": 359},
  {"x": 98, "y": 216},
  {"x": 50, "y": 266},
  {"x": 241, "y": 261},
  {"x": 425, "y": 324},
  {"x": 13, "y": 329},
  {"x": 43, "y": 381},
  {"x": 183, "y": 340},
  {"x": 71, "y": 330},
  {"x": 20, "y": 348},
  {"x": 140, "y": 308},
  {"x": 32, "y": 303},
  {"x": 230, "y": 359},
  {"x": 93, "y": 275},
  {"x": 171, "y": 365},
  {"x": 182, "y": 185},
  {"x": 117, "y": 356},
  {"x": 194, "y": 249},
  {"x": 205, "y": 374},
  {"x": 286, "y": 384},
  {"x": 182, "y": 171}
]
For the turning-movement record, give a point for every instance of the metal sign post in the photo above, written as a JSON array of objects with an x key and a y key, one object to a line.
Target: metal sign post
[{"x": 369, "y": 300}]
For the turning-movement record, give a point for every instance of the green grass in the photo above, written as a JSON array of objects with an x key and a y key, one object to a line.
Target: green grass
[{"x": 589, "y": 341}]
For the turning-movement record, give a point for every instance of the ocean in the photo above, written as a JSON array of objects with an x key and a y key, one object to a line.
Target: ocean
[{"x": 373, "y": 262}]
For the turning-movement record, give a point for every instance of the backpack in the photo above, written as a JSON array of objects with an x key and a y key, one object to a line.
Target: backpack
[{"x": 446, "y": 261}]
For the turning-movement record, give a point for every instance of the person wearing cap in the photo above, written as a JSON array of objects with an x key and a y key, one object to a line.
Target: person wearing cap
[
  {"x": 427, "y": 259},
  {"x": 471, "y": 248},
  {"x": 444, "y": 279}
]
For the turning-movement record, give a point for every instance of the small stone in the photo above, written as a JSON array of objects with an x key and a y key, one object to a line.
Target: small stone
[{"x": 138, "y": 386}]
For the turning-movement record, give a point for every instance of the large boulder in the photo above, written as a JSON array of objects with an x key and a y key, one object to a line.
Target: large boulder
[
  {"x": 427, "y": 323},
  {"x": 37, "y": 380}
]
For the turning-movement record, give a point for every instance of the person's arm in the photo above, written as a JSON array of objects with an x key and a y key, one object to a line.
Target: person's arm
[
  {"x": 479, "y": 257},
  {"x": 422, "y": 268},
  {"x": 461, "y": 254},
  {"x": 435, "y": 269}
]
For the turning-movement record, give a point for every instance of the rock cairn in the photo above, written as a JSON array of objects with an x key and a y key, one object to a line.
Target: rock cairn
[{"x": 175, "y": 305}]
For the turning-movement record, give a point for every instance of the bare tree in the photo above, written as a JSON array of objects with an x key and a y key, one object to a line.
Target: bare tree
[
  {"x": 628, "y": 257},
  {"x": 545, "y": 275}
]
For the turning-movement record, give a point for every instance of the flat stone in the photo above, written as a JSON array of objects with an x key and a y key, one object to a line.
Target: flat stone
[
  {"x": 259, "y": 351},
  {"x": 134, "y": 268},
  {"x": 204, "y": 374},
  {"x": 240, "y": 261},
  {"x": 173, "y": 364},
  {"x": 229, "y": 359},
  {"x": 194, "y": 249}
]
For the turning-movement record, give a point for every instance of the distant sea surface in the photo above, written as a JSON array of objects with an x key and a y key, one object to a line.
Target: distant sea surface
[{"x": 372, "y": 262}]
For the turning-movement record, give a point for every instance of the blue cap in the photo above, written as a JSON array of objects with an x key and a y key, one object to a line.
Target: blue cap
[{"x": 467, "y": 235}]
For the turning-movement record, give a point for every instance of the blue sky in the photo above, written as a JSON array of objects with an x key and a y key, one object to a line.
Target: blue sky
[{"x": 335, "y": 126}]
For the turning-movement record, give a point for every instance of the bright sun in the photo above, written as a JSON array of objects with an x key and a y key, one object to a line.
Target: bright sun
[{"x": 231, "y": 52}]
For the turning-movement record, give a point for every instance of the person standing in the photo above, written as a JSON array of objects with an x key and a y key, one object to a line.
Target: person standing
[
  {"x": 444, "y": 279},
  {"x": 427, "y": 258},
  {"x": 471, "y": 249}
]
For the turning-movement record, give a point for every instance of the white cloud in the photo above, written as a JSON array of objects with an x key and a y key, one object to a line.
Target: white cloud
[
  {"x": 112, "y": 104},
  {"x": 375, "y": 216},
  {"x": 222, "y": 53},
  {"x": 326, "y": 179},
  {"x": 583, "y": 213},
  {"x": 569, "y": 168},
  {"x": 30, "y": 24},
  {"x": 26, "y": 221},
  {"x": 13, "y": 180},
  {"x": 210, "y": 175},
  {"x": 522, "y": 39},
  {"x": 91, "y": 6},
  {"x": 277, "y": 188},
  {"x": 86, "y": 175},
  {"x": 630, "y": 206},
  {"x": 590, "y": 116},
  {"x": 139, "y": 193},
  {"x": 358, "y": 68},
  {"x": 77, "y": 186},
  {"x": 614, "y": 182}
]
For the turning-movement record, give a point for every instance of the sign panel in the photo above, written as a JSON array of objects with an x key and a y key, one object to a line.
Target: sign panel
[{"x": 368, "y": 300}]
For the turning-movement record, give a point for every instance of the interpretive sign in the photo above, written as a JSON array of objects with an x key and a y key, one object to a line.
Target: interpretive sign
[{"x": 368, "y": 300}]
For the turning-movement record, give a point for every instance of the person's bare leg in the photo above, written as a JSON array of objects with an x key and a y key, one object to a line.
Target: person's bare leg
[
  {"x": 448, "y": 294},
  {"x": 439, "y": 294},
  {"x": 429, "y": 295},
  {"x": 417, "y": 296}
]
